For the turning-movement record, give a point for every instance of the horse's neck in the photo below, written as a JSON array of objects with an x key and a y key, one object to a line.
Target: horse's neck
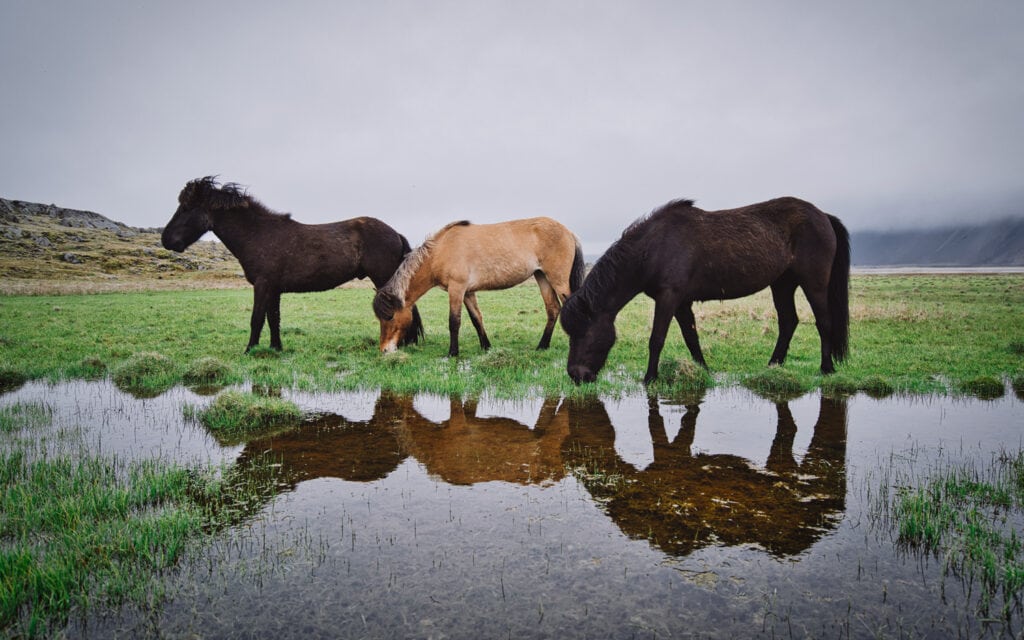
[
  {"x": 420, "y": 282},
  {"x": 238, "y": 229},
  {"x": 620, "y": 287}
]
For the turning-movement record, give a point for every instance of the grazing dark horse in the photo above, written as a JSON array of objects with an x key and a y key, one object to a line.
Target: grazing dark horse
[
  {"x": 680, "y": 254},
  {"x": 464, "y": 258},
  {"x": 280, "y": 255}
]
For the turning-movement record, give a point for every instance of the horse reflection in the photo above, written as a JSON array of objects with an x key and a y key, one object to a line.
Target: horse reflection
[
  {"x": 332, "y": 446},
  {"x": 466, "y": 448},
  {"x": 685, "y": 501},
  {"x": 463, "y": 450}
]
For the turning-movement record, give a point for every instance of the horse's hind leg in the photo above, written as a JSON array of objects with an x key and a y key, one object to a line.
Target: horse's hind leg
[
  {"x": 551, "y": 306},
  {"x": 783, "y": 292},
  {"x": 478, "y": 319},
  {"x": 274, "y": 320},
  {"x": 818, "y": 298},
  {"x": 688, "y": 325}
]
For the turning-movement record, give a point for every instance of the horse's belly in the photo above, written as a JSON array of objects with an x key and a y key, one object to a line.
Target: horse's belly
[
  {"x": 727, "y": 284},
  {"x": 492, "y": 277}
]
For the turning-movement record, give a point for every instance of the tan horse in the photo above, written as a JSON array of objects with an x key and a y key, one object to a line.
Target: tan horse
[{"x": 464, "y": 258}]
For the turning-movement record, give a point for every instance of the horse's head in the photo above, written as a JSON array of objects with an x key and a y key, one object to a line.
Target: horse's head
[
  {"x": 396, "y": 319},
  {"x": 198, "y": 200},
  {"x": 591, "y": 336}
]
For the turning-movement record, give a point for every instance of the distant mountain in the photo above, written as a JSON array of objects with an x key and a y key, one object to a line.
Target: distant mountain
[{"x": 995, "y": 244}]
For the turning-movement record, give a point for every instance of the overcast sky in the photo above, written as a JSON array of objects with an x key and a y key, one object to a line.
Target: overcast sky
[{"x": 885, "y": 113}]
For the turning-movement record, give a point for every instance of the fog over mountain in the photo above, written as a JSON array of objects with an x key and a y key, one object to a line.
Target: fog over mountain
[{"x": 997, "y": 243}]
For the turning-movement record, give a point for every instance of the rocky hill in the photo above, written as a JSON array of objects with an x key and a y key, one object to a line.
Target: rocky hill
[
  {"x": 995, "y": 244},
  {"x": 44, "y": 248}
]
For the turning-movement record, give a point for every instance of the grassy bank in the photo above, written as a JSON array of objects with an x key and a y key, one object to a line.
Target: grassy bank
[
  {"x": 909, "y": 333},
  {"x": 81, "y": 531}
]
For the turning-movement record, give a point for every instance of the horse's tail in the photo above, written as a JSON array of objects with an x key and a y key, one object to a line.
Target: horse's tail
[
  {"x": 839, "y": 292},
  {"x": 579, "y": 269},
  {"x": 415, "y": 330}
]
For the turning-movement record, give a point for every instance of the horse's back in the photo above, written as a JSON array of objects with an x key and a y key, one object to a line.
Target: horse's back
[
  {"x": 732, "y": 253},
  {"x": 323, "y": 256},
  {"x": 502, "y": 253}
]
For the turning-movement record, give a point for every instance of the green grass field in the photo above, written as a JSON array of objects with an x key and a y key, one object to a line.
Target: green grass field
[{"x": 909, "y": 333}]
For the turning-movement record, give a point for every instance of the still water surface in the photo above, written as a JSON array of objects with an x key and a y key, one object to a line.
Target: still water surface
[{"x": 726, "y": 515}]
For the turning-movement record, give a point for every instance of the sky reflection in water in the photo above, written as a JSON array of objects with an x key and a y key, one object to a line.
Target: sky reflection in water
[{"x": 436, "y": 517}]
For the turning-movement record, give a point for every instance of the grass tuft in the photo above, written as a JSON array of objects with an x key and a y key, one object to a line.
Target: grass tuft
[
  {"x": 500, "y": 358},
  {"x": 983, "y": 387},
  {"x": 206, "y": 370},
  {"x": 90, "y": 368},
  {"x": 11, "y": 379},
  {"x": 1016, "y": 347},
  {"x": 234, "y": 416},
  {"x": 839, "y": 385},
  {"x": 146, "y": 374},
  {"x": 1017, "y": 383},
  {"x": 683, "y": 374},
  {"x": 775, "y": 383},
  {"x": 877, "y": 386}
]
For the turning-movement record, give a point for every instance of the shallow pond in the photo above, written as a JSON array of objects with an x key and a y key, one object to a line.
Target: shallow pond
[{"x": 726, "y": 515}]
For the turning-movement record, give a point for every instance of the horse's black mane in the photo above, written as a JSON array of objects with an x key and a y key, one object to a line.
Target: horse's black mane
[
  {"x": 624, "y": 254},
  {"x": 227, "y": 195}
]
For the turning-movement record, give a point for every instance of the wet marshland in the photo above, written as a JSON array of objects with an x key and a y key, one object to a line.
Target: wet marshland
[{"x": 722, "y": 515}]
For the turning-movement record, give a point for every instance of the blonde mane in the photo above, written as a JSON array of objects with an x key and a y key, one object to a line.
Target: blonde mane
[{"x": 398, "y": 285}]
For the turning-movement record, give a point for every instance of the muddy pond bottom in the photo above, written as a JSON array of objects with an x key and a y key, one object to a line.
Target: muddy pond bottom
[{"x": 724, "y": 515}]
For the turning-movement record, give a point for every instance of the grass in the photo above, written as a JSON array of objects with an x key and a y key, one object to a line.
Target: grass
[
  {"x": 909, "y": 333},
  {"x": 146, "y": 374},
  {"x": 207, "y": 370},
  {"x": 80, "y": 530},
  {"x": 235, "y": 417},
  {"x": 969, "y": 517},
  {"x": 776, "y": 383}
]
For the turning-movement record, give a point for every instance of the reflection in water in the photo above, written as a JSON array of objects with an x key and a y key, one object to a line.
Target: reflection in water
[
  {"x": 684, "y": 501},
  {"x": 462, "y": 450},
  {"x": 681, "y": 502}
]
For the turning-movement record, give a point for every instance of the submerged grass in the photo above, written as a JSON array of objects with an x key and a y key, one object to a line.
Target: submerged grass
[
  {"x": 970, "y": 518},
  {"x": 909, "y": 333},
  {"x": 78, "y": 531}
]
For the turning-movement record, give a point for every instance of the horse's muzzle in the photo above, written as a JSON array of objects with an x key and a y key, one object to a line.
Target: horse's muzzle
[{"x": 580, "y": 374}]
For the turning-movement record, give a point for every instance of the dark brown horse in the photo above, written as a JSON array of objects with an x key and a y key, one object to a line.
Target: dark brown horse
[
  {"x": 280, "y": 255},
  {"x": 680, "y": 254}
]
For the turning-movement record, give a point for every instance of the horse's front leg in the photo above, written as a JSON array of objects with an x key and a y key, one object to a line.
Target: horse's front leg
[
  {"x": 688, "y": 325},
  {"x": 455, "y": 298},
  {"x": 259, "y": 313},
  {"x": 551, "y": 307},
  {"x": 478, "y": 320},
  {"x": 664, "y": 310}
]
